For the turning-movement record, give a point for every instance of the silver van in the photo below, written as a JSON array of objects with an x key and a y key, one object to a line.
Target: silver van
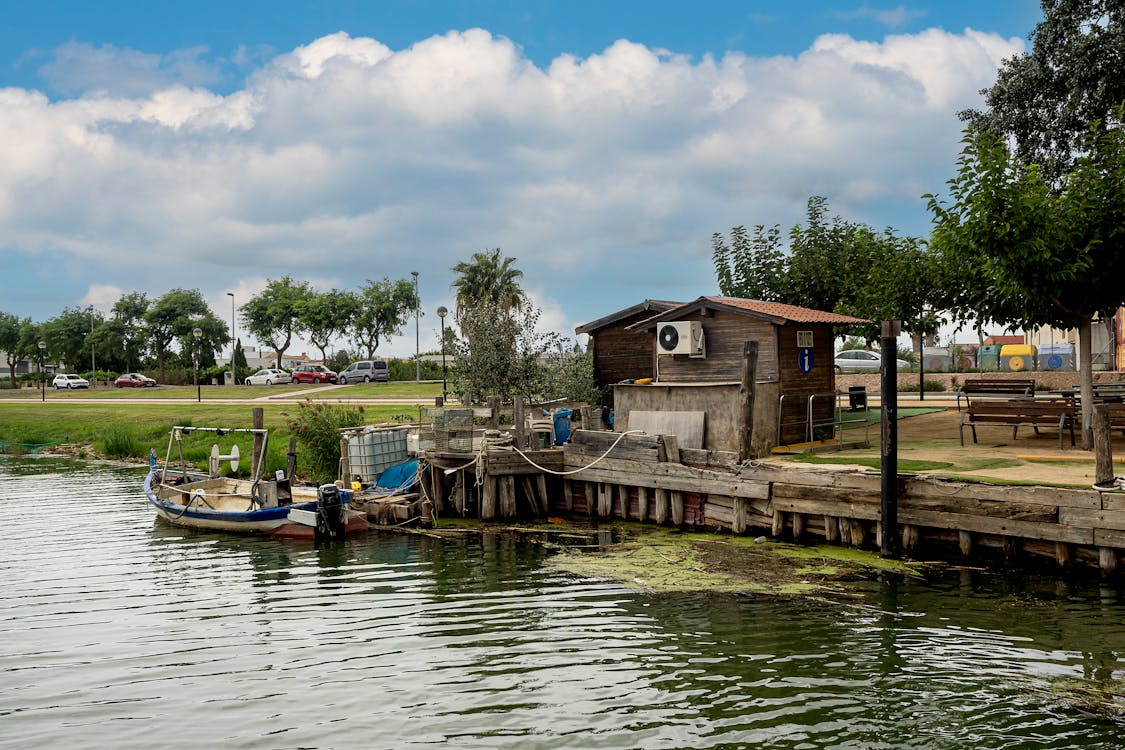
[{"x": 365, "y": 371}]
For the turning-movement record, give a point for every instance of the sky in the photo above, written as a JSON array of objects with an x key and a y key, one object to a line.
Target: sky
[{"x": 217, "y": 145}]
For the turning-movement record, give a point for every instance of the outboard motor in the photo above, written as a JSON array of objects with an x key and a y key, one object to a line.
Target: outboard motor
[{"x": 330, "y": 513}]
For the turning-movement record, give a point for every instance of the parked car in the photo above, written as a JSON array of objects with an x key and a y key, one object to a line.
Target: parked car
[
  {"x": 313, "y": 374},
  {"x": 269, "y": 376},
  {"x": 859, "y": 360},
  {"x": 134, "y": 380},
  {"x": 63, "y": 380},
  {"x": 365, "y": 371}
]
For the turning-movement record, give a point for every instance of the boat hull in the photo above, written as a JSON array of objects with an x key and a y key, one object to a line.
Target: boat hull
[{"x": 279, "y": 521}]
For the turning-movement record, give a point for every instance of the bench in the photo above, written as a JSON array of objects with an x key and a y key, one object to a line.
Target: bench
[
  {"x": 995, "y": 388},
  {"x": 1059, "y": 414}
]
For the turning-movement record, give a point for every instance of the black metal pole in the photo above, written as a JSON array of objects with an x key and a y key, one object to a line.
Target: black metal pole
[
  {"x": 198, "y": 390},
  {"x": 443, "y": 358},
  {"x": 888, "y": 397},
  {"x": 42, "y": 382}
]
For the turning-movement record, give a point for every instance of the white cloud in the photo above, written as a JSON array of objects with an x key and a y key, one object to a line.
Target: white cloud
[
  {"x": 346, "y": 160},
  {"x": 893, "y": 18}
]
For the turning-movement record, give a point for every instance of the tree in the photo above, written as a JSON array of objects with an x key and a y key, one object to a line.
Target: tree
[
  {"x": 752, "y": 267},
  {"x": 123, "y": 337},
  {"x": 1032, "y": 255},
  {"x": 382, "y": 310},
  {"x": 173, "y": 316},
  {"x": 488, "y": 277},
  {"x": 1045, "y": 101},
  {"x": 501, "y": 353},
  {"x": 327, "y": 315},
  {"x": 69, "y": 335},
  {"x": 30, "y": 336},
  {"x": 272, "y": 315},
  {"x": 10, "y": 342}
]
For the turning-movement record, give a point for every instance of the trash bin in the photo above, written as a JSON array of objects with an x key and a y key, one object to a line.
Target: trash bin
[
  {"x": 989, "y": 358},
  {"x": 1017, "y": 357},
  {"x": 936, "y": 359},
  {"x": 228, "y": 378},
  {"x": 561, "y": 418},
  {"x": 857, "y": 397},
  {"x": 1056, "y": 357}
]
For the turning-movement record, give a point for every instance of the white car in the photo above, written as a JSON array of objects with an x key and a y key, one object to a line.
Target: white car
[
  {"x": 63, "y": 380},
  {"x": 269, "y": 376},
  {"x": 858, "y": 360}
]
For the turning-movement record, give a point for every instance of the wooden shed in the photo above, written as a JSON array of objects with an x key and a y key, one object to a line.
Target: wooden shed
[
  {"x": 621, "y": 353},
  {"x": 698, "y": 362}
]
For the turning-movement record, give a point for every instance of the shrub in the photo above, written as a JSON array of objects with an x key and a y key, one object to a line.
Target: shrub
[
  {"x": 317, "y": 427},
  {"x": 931, "y": 386}
]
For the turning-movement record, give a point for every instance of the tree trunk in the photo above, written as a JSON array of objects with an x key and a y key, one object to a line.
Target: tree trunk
[{"x": 1086, "y": 382}]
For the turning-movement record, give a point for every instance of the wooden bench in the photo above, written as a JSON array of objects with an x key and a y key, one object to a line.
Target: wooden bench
[
  {"x": 1059, "y": 414},
  {"x": 1006, "y": 388}
]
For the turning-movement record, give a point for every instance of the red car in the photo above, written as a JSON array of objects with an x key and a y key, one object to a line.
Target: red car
[
  {"x": 313, "y": 374},
  {"x": 134, "y": 380}
]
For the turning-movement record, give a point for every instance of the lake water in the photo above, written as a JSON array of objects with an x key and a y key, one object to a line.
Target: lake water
[{"x": 118, "y": 632}]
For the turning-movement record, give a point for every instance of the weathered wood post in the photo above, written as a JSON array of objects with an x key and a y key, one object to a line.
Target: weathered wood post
[
  {"x": 258, "y": 420},
  {"x": 888, "y": 397},
  {"x": 1103, "y": 450},
  {"x": 746, "y": 401},
  {"x": 494, "y": 412},
  {"x": 291, "y": 460},
  {"x": 518, "y": 422}
]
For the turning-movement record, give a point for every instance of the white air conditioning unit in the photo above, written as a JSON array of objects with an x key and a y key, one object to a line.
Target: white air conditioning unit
[{"x": 680, "y": 337}]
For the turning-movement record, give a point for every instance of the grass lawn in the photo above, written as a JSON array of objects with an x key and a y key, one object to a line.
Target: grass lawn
[
  {"x": 397, "y": 390},
  {"x": 124, "y": 430}
]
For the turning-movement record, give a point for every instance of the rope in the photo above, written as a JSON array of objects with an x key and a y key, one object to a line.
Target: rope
[{"x": 582, "y": 468}]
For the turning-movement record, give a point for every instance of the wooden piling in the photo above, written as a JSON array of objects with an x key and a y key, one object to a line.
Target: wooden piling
[
  {"x": 518, "y": 431},
  {"x": 778, "y": 526},
  {"x": 1103, "y": 450},
  {"x": 798, "y": 520},
  {"x": 642, "y": 504},
  {"x": 677, "y": 501},
  {"x": 831, "y": 529},
  {"x": 746, "y": 401},
  {"x": 291, "y": 460},
  {"x": 1107, "y": 559},
  {"x": 965, "y": 539},
  {"x": 660, "y": 499},
  {"x": 488, "y": 501}
]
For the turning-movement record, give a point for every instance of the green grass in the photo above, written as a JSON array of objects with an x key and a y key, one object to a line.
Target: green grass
[
  {"x": 123, "y": 430},
  {"x": 405, "y": 389}
]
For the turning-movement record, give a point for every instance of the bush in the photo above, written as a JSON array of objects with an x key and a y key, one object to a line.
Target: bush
[
  {"x": 931, "y": 386},
  {"x": 121, "y": 442},
  {"x": 317, "y": 427},
  {"x": 404, "y": 369}
]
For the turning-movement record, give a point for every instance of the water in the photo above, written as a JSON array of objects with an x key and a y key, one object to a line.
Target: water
[{"x": 119, "y": 632}]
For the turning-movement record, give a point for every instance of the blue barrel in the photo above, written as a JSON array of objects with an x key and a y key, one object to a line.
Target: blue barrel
[{"x": 561, "y": 418}]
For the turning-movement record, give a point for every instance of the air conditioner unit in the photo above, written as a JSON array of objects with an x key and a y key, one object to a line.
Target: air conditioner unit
[{"x": 680, "y": 337}]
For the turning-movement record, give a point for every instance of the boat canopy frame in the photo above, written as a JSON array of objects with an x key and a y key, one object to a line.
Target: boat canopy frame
[{"x": 175, "y": 436}]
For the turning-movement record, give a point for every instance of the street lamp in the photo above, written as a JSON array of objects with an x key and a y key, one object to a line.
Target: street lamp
[
  {"x": 417, "y": 351},
  {"x": 93, "y": 367},
  {"x": 233, "y": 376},
  {"x": 198, "y": 333},
  {"x": 441, "y": 313},
  {"x": 42, "y": 382}
]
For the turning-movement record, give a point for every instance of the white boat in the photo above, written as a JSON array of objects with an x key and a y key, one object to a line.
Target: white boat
[{"x": 250, "y": 506}]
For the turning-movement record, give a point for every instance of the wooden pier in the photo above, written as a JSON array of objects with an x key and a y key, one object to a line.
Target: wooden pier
[{"x": 649, "y": 478}]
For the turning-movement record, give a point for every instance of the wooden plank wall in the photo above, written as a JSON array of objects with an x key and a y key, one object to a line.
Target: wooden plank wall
[
  {"x": 708, "y": 489},
  {"x": 725, "y": 334}
]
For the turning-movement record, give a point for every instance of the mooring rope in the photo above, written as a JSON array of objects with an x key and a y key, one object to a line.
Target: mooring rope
[{"x": 582, "y": 468}]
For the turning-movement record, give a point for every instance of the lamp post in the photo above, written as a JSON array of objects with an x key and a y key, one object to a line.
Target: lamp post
[
  {"x": 441, "y": 313},
  {"x": 233, "y": 376},
  {"x": 93, "y": 367},
  {"x": 42, "y": 383},
  {"x": 198, "y": 333},
  {"x": 417, "y": 352}
]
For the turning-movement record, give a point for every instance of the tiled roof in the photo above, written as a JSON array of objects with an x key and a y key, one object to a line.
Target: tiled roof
[{"x": 791, "y": 313}]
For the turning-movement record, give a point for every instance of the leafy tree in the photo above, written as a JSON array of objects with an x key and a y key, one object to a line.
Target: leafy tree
[
  {"x": 10, "y": 342},
  {"x": 1032, "y": 255},
  {"x": 326, "y": 315},
  {"x": 752, "y": 267},
  {"x": 382, "y": 311},
  {"x": 1045, "y": 101},
  {"x": 835, "y": 265},
  {"x": 272, "y": 315},
  {"x": 68, "y": 335},
  {"x": 122, "y": 337},
  {"x": 501, "y": 353},
  {"x": 488, "y": 278},
  {"x": 30, "y": 336},
  {"x": 173, "y": 316}
]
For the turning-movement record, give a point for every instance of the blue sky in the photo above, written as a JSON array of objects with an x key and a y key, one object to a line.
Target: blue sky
[{"x": 215, "y": 145}]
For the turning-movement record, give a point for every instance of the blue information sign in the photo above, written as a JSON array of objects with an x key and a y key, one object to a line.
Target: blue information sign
[{"x": 805, "y": 359}]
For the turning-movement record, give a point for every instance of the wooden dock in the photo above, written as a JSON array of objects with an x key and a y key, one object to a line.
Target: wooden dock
[{"x": 649, "y": 478}]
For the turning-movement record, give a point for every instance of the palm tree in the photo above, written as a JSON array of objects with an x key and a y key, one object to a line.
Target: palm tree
[{"x": 488, "y": 278}]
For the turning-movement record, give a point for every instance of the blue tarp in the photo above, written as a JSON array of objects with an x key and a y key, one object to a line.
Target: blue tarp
[{"x": 398, "y": 477}]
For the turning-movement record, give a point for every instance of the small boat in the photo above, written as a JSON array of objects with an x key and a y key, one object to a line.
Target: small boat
[{"x": 256, "y": 505}]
